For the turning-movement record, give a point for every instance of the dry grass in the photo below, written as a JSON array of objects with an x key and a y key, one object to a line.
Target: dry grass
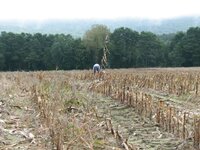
[
  {"x": 149, "y": 92},
  {"x": 74, "y": 123}
]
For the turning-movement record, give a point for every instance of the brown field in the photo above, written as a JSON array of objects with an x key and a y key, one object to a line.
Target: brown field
[{"x": 150, "y": 109}]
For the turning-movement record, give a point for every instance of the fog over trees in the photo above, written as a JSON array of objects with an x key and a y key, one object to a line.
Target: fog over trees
[{"x": 128, "y": 48}]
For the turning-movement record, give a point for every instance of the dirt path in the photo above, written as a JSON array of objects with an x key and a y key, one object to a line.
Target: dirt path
[{"x": 141, "y": 132}]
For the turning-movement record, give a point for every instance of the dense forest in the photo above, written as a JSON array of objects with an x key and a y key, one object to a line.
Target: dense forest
[{"x": 127, "y": 49}]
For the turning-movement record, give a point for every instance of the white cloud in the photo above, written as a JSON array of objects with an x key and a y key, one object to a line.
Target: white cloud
[{"x": 73, "y": 9}]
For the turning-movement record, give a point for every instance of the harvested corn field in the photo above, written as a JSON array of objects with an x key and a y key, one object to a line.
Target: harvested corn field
[{"x": 127, "y": 109}]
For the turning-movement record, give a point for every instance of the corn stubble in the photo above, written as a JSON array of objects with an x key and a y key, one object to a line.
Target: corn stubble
[
  {"x": 72, "y": 123},
  {"x": 160, "y": 95},
  {"x": 153, "y": 94}
]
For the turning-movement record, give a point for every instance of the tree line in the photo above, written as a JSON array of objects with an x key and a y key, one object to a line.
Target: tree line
[{"x": 127, "y": 49}]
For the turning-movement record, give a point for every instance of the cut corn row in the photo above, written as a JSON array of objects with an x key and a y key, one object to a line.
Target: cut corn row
[{"x": 129, "y": 89}]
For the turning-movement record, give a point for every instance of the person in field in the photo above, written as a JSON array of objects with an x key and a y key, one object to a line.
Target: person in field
[{"x": 96, "y": 68}]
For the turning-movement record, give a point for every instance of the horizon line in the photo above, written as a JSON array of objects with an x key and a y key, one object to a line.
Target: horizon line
[{"x": 99, "y": 19}]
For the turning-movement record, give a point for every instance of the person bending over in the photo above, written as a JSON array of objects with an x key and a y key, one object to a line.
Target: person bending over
[{"x": 96, "y": 68}]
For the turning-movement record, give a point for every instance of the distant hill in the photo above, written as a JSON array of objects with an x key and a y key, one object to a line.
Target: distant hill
[{"x": 78, "y": 27}]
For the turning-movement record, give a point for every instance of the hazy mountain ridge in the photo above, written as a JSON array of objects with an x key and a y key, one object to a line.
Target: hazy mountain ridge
[{"x": 78, "y": 27}]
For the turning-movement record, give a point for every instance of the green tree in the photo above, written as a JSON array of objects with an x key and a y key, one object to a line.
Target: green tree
[
  {"x": 2, "y": 56},
  {"x": 82, "y": 58},
  {"x": 13, "y": 44},
  {"x": 48, "y": 41},
  {"x": 149, "y": 50},
  {"x": 191, "y": 47},
  {"x": 175, "y": 50},
  {"x": 94, "y": 40},
  {"x": 123, "y": 48},
  {"x": 33, "y": 58},
  {"x": 185, "y": 48},
  {"x": 62, "y": 54}
]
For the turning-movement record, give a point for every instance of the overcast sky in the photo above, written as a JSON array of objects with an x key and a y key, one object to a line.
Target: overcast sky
[{"x": 96, "y": 9}]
